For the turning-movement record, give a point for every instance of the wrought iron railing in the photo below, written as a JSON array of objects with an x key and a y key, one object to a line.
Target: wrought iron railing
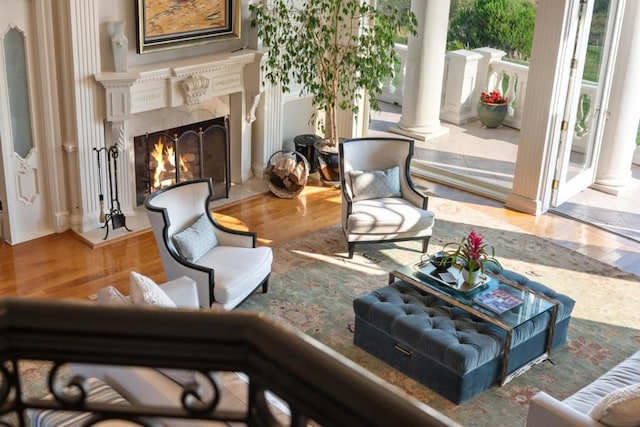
[{"x": 318, "y": 386}]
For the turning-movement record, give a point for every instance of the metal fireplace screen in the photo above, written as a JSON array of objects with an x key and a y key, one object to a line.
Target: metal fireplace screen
[{"x": 200, "y": 150}]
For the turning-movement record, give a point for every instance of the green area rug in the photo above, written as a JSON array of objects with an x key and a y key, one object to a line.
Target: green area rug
[{"x": 313, "y": 284}]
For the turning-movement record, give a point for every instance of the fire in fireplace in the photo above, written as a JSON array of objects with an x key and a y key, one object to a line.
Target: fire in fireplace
[{"x": 199, "y": 150}]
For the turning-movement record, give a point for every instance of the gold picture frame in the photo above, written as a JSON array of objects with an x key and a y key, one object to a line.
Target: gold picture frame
[{"x": 170, "y": 24}]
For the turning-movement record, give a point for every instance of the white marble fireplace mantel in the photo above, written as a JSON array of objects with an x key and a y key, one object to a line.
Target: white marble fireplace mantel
[
  {"x": 165, "y": 95},
  {"x": 184, "y": 82}
]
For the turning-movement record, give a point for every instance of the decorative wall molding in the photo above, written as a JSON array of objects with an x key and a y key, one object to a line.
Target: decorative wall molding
[
  {"x": 194, "y": 87},
  {"x": 118, "y": 94},
  {"x": 27, "y": 178},
  {"x": 187, "y": 82},
  {"x": 221, "y": 62},
  {"x": 118, "y": 135},
  {"x": 253, "y": 99}
]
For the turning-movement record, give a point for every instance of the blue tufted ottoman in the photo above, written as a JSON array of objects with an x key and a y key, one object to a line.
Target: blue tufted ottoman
[{"x": 444, "y": 347}]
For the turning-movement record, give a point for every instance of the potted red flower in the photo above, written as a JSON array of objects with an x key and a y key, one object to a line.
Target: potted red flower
[
  {"x": 492, "y": 108},
  {"x": 471, "y": 254},
  {"x": 493, "y": 97}
]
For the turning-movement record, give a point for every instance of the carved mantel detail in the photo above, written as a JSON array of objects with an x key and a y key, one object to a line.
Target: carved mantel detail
[
  {"x": 252, "y": 103},
  {"x": 194, "y": 87}
]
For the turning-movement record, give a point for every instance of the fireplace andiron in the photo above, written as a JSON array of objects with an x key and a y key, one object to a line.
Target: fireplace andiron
[{"x": 115, "y": 215}]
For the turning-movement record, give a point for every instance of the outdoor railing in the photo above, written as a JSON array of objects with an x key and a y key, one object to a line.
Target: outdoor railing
[
  {"x": 317, "y": 384},
  {"x": 468, "y": 73}
]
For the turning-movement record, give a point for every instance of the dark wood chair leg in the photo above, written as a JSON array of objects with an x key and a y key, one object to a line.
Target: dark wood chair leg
[
  {"x": 352, "y": 247},
  {"x": 265, "y": 285}
]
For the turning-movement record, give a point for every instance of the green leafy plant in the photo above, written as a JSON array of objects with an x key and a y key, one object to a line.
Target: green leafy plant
[
  {"x": 334, "y": 50},
  {"x": 471, "y": 253}
]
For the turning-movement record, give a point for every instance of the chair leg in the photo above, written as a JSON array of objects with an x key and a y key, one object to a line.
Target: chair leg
[
  {"x": 265, "y": 285},
  {"x": 352, "y": 247},
  {"x": 425, "y": 244}
]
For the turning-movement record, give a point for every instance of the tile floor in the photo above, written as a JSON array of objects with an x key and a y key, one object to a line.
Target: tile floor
[{"x": 488, "y": 155}]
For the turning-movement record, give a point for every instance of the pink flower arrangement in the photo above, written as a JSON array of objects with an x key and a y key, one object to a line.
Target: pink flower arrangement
[
  {"x": 472, "y": 252},
  {"x": 493, "y": 97}
]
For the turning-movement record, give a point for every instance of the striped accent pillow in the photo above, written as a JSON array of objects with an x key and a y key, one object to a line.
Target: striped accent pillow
[{"x": 99, "y": 392}]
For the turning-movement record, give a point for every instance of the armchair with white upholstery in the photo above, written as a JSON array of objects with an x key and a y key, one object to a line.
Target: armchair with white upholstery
[
  {"x": 226, "y": 264},
  {"x": 379, "y": 200},
  {"x": 611, "y": 400}
]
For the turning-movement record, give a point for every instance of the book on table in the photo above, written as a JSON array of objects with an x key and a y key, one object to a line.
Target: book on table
[{"x": 498, "y": 300}]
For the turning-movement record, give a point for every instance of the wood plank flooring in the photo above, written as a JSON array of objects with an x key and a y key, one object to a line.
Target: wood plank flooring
[{"x": 61, "y": 266}]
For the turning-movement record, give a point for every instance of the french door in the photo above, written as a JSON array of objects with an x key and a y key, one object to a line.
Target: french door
[
  {"x": 585, "y": 110},
  {"x": 23, "y": 187}
]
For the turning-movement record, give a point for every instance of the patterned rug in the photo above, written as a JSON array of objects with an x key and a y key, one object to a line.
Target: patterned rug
[{"x": 313, "y": 284}]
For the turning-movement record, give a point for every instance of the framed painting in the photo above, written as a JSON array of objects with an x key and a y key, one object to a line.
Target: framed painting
[{"x": 168, "y": 24}]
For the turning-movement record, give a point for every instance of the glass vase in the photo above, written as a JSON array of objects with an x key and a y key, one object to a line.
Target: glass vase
[{"x": 471, "y": 277}]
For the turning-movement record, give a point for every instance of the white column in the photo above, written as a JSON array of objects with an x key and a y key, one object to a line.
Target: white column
[
  {"x": 268, "y": 128},
  {"x": 118, "y": 112},
  {"x": 240, "y": 141},
  {"x": 52, "y": 134},
  {"x": 613, "y": 172},
  {"x": 425, "y": 66},
  {"x": 89, "y": 129}
]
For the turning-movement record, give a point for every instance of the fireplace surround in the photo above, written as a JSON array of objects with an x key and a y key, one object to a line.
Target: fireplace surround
[
  {"x": 199, "y": 150},
  {"x": 184, "y": 93}
]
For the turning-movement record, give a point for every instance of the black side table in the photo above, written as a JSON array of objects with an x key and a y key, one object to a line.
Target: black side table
[{"x": 304, "y": 144}]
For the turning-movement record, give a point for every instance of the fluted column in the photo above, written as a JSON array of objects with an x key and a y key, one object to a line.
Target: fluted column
[
  {"x": 613, "y": 171},
  {"x": 52, "y": 133},
  {"x": 425, "y": 67},
  {"x": 268, "y": 132},
  {"x": 84, "y": 34}
]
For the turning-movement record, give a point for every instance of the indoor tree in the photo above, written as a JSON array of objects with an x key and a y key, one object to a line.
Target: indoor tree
[{"x": 334, "y": 50}]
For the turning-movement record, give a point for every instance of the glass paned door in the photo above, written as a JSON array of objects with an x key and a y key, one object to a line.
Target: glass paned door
[
  {"x": 586, "y": 105},
  {"x": 24, "y": 198}
]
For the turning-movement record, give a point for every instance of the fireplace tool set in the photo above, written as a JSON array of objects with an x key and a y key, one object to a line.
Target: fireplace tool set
[{"x": 115, "y": 215}]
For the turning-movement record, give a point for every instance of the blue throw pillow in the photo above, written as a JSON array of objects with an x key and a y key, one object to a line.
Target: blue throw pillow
[
  {"x": 196, "y": 240},
  {"x": 375, "y": 184}
]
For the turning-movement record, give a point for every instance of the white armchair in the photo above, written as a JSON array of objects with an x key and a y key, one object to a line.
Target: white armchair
[
  {"x": 612, "y": 399},
  {"x": 379, "y": 200},
  {"x": 226, "y": 264}
]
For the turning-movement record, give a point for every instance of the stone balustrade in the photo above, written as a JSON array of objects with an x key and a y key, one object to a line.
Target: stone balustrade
[{"x": 468, "y": 73}]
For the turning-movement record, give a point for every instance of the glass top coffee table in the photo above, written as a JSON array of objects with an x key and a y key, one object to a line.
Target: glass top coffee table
[{"x": 496, "y": 300}]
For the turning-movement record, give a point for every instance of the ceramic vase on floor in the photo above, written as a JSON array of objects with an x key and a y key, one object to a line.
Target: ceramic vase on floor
[{"x": 492, "y": 115}]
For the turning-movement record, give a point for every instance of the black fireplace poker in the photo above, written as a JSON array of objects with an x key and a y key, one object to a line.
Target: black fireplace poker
[{"x": 115, "y": 215}]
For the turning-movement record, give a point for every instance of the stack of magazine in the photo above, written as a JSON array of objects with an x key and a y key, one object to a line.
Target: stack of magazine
[{"x": 498, "y": 300}]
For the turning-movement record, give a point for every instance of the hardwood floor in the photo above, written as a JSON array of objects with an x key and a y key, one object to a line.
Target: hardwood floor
[{"x": 61, "y": 266}]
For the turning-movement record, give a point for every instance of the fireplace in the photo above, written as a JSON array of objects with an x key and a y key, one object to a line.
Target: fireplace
[
  {"x": 198, "y": 150},
  {"x": 168, "y": 96}
]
